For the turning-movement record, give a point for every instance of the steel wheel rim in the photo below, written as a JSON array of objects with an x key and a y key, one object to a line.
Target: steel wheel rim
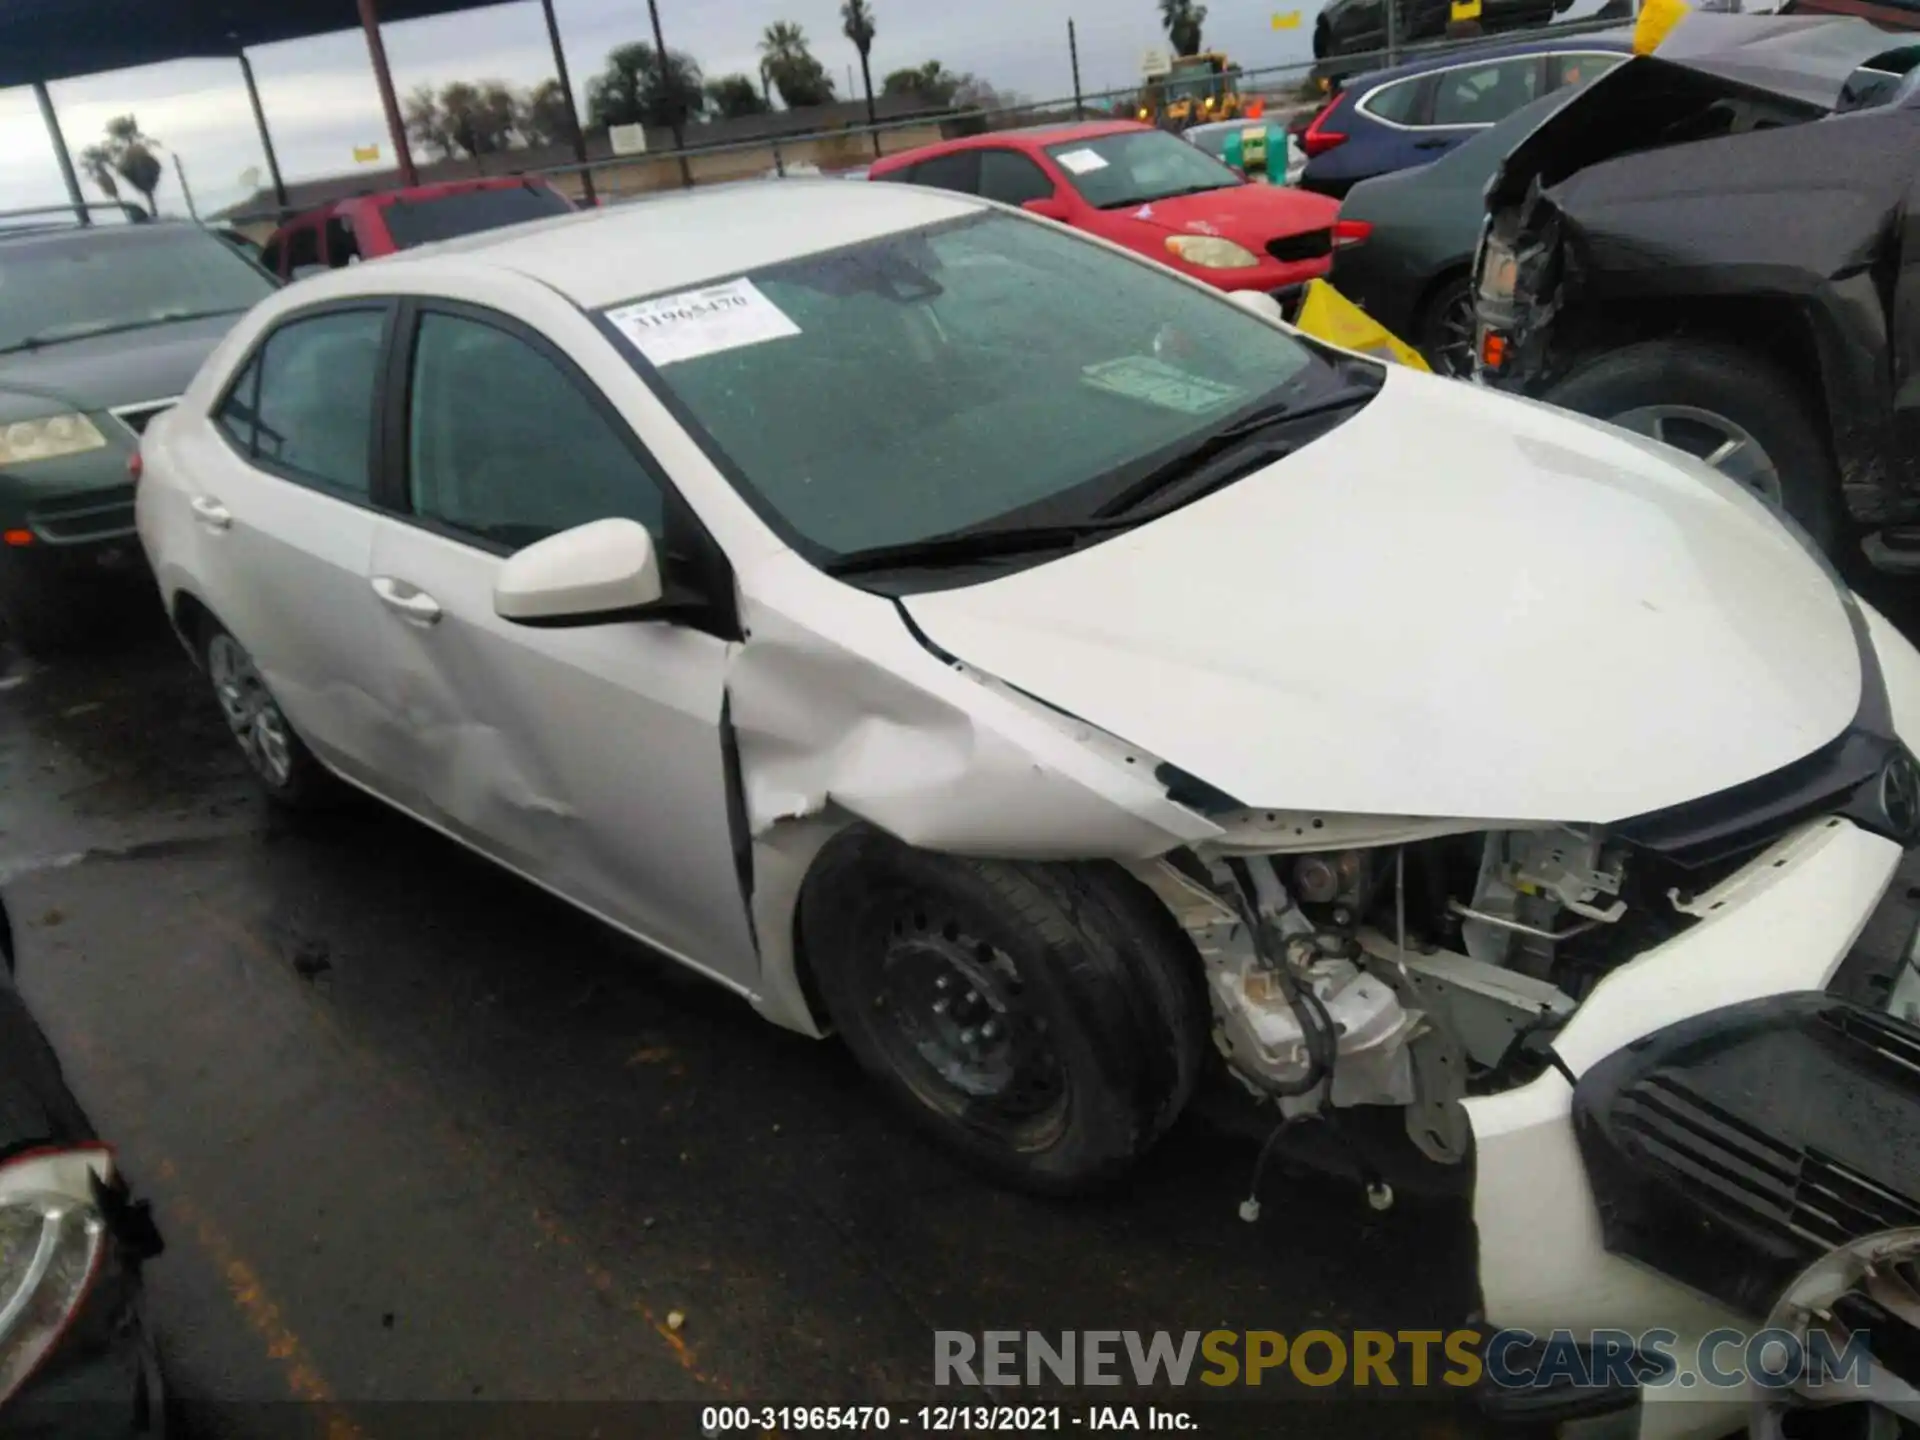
[
  {"x": 250, "y": 711},
  {"x": 1454, "y": 338},
  {"x": 958, "y": 1023},
  {"x": 1713, "y": 439}
]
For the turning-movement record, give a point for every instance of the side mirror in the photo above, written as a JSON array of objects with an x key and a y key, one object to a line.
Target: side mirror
[
  {"x": 1050, "y": 207},
  {"x": 602, "y": 571},
  {"x": 1259, "y": 303}
]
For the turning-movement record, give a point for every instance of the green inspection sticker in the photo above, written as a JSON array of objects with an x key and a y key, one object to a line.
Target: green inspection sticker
[{"x": 1141, "y": 377}]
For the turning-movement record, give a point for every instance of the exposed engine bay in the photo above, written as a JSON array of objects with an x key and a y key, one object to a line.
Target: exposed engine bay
[{"x": 1414, "y": 974}]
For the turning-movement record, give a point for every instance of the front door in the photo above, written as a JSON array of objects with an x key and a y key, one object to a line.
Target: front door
[{"x": 589, "y": 758}]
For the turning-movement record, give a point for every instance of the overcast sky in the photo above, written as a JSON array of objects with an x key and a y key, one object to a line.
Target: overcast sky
[{"x": 321, "y": 101}]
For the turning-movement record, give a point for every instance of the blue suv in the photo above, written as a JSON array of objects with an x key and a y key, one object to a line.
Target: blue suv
[{"x": 1391, "y": 120}]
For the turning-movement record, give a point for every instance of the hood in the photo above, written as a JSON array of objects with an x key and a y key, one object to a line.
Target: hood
[
  {"x": 125, "y": 367},
  {"x": 1528, "y": 616},
  {"x": 1249, "y": 214}
]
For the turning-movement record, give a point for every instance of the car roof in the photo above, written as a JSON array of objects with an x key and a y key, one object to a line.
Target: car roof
[
  {"x": 1613, "y": 40},
  {"x": 620, "y": 252},
  {"x": 1028, "y": 137},
  {"x": 411, "y": 193}
]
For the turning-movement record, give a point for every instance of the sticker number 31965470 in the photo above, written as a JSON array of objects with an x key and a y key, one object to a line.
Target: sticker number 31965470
[{"x": 702, "y": 322}]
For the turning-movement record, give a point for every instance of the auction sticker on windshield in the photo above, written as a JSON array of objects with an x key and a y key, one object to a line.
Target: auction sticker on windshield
[
  {"x": 1083, "y": 162},
  {"x": 702, "y": 322},
  {"x": 1139, "y": 377}
]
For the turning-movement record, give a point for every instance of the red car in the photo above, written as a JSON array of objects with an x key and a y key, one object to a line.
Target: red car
[
  {"x": 1144, "y": 189},
  {"x": 365, "y": 227}
]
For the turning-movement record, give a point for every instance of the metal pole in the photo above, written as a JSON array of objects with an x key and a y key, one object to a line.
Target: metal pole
[
  {"x": 660, "y": 57},
  {"x": 266, "y": 139},
  {"x": 1393, "y": 34},
  {"x": 1073, "y": 51},
  {"x": 60, "y": 152},
  {"x": 185, "y": 194},
  {"x": 566, "y": 89},
  {"x": 383, "y": 77}
]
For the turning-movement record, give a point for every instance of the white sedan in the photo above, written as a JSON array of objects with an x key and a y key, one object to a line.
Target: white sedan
[{"x": 1054, "y": 677}]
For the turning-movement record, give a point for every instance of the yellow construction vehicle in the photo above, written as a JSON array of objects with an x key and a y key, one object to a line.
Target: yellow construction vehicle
[{"x": 1194, "y": 90}]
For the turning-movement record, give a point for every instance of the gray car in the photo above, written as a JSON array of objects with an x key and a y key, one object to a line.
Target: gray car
[
  {"x": 101, "y": 328},
  {"x": 1410, "y": 267}
]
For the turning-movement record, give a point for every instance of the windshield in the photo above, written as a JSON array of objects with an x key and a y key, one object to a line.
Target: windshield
[
  {"x": 1137, "y": 166},
  {"x": 465, "y": 212},
  {"x": 71, "y": 283},
  {"x": 970, "y": 373}
]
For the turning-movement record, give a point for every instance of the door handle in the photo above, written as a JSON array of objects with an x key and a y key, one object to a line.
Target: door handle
[
  {"x": 1430, "y": 144},
  {"x": 211, "y": 513},
  {"x": 414, "y": 603}
]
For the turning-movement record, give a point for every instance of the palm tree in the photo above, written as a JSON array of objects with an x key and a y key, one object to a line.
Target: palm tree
[
  {"x": 133, "y": 157},
  {"x": 98, "y": 164},
  {"x": 1183, "y": 19},
  {"x": 856, "y": 23},
  {"x": 785, "y": 59}
]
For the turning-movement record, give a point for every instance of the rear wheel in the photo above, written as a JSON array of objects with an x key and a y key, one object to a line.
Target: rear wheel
[
  {"x": 1738, "y": 414},
  {"x": 1045, "y": 1021},
  {"x": 279, "y": 758},
  {"x": 1445, "y": 335}
]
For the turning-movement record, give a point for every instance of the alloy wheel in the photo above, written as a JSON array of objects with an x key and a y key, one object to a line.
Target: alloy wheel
[
  {"x": 1713, "y": 438},
  {"x": 251, "y": 711}
]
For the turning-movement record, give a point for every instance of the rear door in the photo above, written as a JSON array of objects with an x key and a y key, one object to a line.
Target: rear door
[
  {"x": 282, "y": 521},
  {"x": 1466, "y": 99},
  {"x": 591, "y": 759}
]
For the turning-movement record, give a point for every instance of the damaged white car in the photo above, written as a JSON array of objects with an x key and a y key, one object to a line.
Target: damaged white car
[{"x": 964, "y": 636}]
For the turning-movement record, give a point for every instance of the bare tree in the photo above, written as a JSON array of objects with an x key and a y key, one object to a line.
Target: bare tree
[{"x": 543, "y": 117}]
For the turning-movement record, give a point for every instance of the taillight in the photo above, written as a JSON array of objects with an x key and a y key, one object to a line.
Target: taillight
[
  {"x": 135, "y": 466},
  {"x": 52, "y": 1240},
  {"x": 1318, "y": 139},
  {"x": 1351, "y": 232}
]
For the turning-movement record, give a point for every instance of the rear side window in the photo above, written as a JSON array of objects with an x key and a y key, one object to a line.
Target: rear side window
[
  {"x": 270, "y": 256},
  {"x": 1012, "y": 178},
  {"x": 1485, "y": 94},
  {"x": 1571, "y": 70},
  {"x": 1398, "y": 102},
  {"x": 236, "y": 415},
  {"x": 314, "y": 413},
  {"x": 441, "y": 217},
  {"x": 342, "y": 247},
  {"x": 958, "y": 171}
]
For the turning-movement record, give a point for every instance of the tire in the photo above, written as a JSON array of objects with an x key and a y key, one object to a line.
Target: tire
[
  {"x": 1046, "y": 1022},
  {"x": 279, "y": 758},
  {"x": 1718, "y": 385},
  {"x": 1438, "y": 343}
]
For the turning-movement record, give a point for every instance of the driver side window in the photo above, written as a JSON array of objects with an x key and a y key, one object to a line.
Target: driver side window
[{"x": 506, "y": 447}]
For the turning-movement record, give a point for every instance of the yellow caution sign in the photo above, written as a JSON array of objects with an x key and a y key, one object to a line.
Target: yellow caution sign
[
  {"x": 1464, "y": 10},
  {"x": 1286, "y": 20},
  {"x": 366, "y": 154},
  {"x": 1657, "y": 19},
  {"x": 1328, "y": 315}
]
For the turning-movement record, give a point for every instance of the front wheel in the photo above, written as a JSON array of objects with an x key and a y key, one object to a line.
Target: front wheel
[
  {"x": 1445, "y": 334},
  {"x": 1738, "y": 414},
  {"x": 1045, "y": 1021},
  {"x": 278, "y": 757}
]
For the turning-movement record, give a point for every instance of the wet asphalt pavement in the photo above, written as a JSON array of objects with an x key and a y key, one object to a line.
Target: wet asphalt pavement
[{"x": 417, "y": 1132}]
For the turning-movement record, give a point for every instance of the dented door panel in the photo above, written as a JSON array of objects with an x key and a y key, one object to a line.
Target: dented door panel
[{"x": 588, "y": 759}]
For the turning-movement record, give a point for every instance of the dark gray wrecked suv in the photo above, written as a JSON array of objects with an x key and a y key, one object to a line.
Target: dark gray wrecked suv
[{"x": 1729, "y": 261}]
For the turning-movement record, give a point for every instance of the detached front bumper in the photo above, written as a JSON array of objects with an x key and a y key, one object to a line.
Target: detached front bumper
[{"x": 1829, "y": 910}]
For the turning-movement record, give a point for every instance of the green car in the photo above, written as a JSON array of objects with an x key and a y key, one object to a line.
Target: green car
[{"x": 101, "y": 328}]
